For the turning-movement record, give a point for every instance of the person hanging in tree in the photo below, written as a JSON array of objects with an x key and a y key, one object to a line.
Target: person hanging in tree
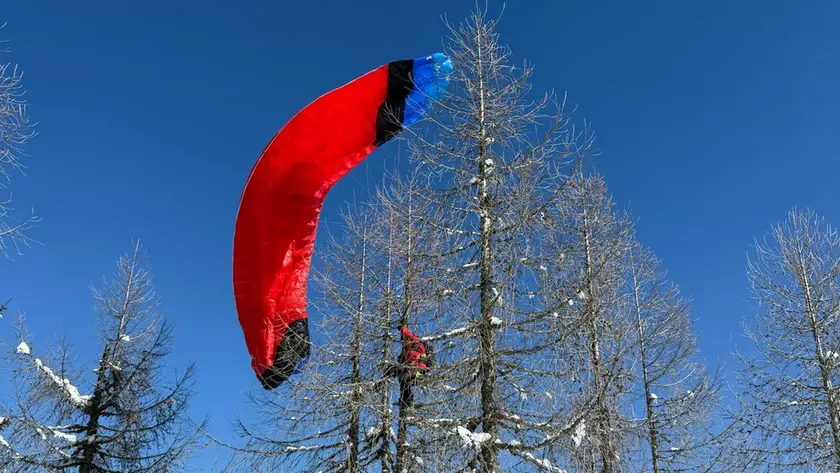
[{"x": 415, "y": 359}]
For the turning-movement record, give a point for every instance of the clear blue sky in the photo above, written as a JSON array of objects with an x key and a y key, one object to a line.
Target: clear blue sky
[{"x": 714, "y": 118}]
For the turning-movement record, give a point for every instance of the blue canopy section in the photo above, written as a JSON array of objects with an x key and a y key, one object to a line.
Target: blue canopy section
[{"x": 431, "y": 77}]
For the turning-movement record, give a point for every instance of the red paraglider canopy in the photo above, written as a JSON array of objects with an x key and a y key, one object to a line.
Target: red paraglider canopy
[{"x": 280, "y": 205}]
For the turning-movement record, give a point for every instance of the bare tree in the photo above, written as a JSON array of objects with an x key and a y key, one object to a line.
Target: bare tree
[
  {"x": 319, "y": 416},
  {"x": 491, "y": 165},
  {"x": 512, "y": 270},
  {"x": 790, "y": 400},
  {"x": 132, "y": 420},
  {"x": 680, "y": 397},
  {"x": 411, "y": 292},
  {"x": 16, "y": 130},
  {"x": 367, "y": 283},
  {"x": 598, "y": 246}
]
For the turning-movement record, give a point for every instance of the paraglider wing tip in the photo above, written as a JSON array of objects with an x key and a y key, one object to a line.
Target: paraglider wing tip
[
  {"x": 413, "y": 84},
  {"x": 430, "y": 77},
  {"x": 442, "y": 63},
  {"x": 293, "y": 348}
]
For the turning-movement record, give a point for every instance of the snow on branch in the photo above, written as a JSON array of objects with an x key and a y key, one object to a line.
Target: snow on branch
[
  {"x": 544, "y": 464},
  {"x": 471, "y": 439},
  {"x": 63, "y": 435},
  {"x": 72, "y": 392},
  {"x": 580, "y": 433},
  {"x": 494, "y": 321},
  {"x": 307, "y": 448},
  {"x": 444, "y": 336}
]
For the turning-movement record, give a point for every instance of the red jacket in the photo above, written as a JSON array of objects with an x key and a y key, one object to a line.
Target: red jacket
[{"x": 414, "y": 351}]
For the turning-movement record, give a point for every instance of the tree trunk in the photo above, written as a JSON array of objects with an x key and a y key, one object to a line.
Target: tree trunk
[
  {"x": 487, "y": 366},
  {"x": 385, "y": 425},
  {"x": 651, "y": 419},
  {"x": 355, "y": 356},
  {"x": 825, "y": 374},
  {"x": 607, "y": 456},
  {"x": 406, "y": 403},
  {"x": 91, "y": 449}
]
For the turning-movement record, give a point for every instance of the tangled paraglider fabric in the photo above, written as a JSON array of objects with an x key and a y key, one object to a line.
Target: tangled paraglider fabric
[{"x": 278, "y": 213}]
